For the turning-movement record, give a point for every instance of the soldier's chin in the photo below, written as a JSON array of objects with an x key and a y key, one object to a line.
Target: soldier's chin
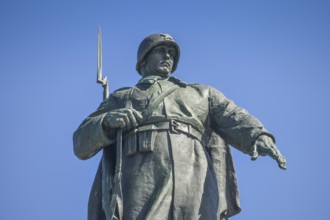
[{"x": 164, "y": 71}]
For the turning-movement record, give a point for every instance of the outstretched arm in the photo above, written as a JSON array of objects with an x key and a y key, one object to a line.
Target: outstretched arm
[{"x": 242, "y": 130}]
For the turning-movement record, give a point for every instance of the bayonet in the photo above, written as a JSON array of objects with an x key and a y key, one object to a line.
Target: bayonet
[{"x": 103, "y": 80}]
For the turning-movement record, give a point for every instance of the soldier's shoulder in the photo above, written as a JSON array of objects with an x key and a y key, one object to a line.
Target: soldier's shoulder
[{"x": 205, "y": 90}]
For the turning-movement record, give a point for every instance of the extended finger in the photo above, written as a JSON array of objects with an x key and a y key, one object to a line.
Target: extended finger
[
  {"x": 281, "y": 162},
  {"x": 277, "y": 156}
]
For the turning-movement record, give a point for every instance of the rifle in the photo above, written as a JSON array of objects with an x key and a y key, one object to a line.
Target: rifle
[{"x": 109, "y": 206}]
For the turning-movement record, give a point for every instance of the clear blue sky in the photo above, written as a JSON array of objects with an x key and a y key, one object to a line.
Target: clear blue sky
[{"x": 271, "y": 57}]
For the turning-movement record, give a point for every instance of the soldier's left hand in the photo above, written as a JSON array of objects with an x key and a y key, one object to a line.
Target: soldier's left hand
[{"x": 263, "y": 146}]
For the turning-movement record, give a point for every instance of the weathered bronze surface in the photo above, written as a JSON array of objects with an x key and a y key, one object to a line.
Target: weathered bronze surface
[{"x": 176, "y": 161}]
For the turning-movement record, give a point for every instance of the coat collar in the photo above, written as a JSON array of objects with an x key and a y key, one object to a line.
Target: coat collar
[{"x": 151, "y": 79}]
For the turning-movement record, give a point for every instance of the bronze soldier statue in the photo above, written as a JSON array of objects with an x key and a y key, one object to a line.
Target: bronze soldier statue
[{"x": 176, "y": 161}]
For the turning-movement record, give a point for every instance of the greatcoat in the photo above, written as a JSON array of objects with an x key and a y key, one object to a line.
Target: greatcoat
[{"x": 177, "y": 164}]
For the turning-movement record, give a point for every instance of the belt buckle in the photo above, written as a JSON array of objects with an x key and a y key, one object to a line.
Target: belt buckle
[{"x": 173, "y": 126}]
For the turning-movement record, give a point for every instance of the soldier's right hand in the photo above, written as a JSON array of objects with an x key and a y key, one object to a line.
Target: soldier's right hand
[
  {"x": 125, "y": 118},
  {"x": 263, "y": 146}
]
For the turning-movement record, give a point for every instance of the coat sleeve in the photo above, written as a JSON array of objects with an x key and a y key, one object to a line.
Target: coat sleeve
[
  {"x": 90, "y": 137},
  {"x": 234, "y": 124}
]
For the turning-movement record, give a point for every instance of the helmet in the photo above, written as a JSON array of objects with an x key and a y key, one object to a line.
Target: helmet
[{"x": 152, "y": 41}]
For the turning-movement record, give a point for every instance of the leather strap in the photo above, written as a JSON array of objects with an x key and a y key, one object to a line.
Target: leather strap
[
  {"x": 155, "y": 103},
  {"x": 173, "y": 126}
]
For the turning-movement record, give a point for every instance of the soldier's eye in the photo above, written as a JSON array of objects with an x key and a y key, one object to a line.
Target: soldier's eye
[{"x": 158, "y": 50}]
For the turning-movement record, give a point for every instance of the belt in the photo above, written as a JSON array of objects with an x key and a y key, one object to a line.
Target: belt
[{"x": 175, "y": 127}]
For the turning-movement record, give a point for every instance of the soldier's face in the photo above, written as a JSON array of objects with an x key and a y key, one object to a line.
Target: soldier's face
[{"x": 160, "y": 60}]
